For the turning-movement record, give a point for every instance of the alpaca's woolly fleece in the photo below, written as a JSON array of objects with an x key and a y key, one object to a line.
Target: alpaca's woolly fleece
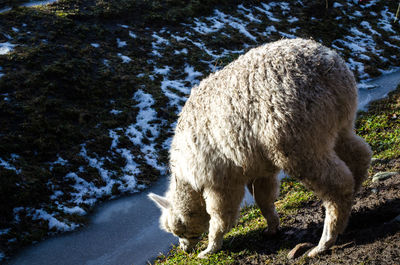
[
  {"x": 288, "y": 105},
  {"x": 266, "y": 105}
]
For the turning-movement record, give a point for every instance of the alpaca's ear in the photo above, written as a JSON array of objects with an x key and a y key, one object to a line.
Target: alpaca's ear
[{"x": 161, "y": 202}]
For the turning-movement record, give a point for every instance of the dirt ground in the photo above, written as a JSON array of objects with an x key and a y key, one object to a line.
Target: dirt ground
[{"x": 372, "y": 235}]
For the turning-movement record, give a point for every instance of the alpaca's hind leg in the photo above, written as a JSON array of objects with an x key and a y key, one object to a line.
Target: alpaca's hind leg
[
  {"x": 356, "y": 153},
  {"x": 265, "y": 192},
  {"x": 335, "y": 185},
  {"x": 330, "y": 178},
  {"x": 222, "y": 205}
]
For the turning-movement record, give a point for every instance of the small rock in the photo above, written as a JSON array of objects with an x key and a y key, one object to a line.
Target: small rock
[
  {"x": 383, "y": 175},
  {"x": 374, "y": 161},
  {"x": 299, "y": 250}
]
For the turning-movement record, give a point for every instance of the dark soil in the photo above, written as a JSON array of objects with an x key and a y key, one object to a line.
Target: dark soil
[{"x": 372, "y": 235}]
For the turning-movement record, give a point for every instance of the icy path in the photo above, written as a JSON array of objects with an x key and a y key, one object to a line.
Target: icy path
[
  {"x": 125, "y": 231},
  {"x": 378, "y": 88}
]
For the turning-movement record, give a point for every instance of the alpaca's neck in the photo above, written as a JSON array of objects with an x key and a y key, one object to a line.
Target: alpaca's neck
[{"x": 186, "y": 196}]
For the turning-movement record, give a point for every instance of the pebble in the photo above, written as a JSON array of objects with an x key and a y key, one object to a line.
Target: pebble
[
  {"x": 383, "y": 175},
  {"x": 374, "y": 161},
  {"x": 299, "y": 250}
]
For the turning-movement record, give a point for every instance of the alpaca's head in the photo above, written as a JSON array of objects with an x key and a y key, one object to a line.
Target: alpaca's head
[{"x": 187, "y": 224}]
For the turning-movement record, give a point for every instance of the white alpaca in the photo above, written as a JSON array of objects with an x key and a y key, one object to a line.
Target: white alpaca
[{"x": 287, "y": 105}]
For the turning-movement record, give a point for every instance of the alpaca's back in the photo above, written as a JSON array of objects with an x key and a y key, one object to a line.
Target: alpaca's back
[{"x": 266, "y": 105}]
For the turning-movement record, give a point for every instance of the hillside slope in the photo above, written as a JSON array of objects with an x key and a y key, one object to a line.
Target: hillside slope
[{"x": 90, "y": 90}]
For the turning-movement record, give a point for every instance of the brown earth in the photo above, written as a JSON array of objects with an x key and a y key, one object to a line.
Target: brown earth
[{"x": 372, "y": 235}]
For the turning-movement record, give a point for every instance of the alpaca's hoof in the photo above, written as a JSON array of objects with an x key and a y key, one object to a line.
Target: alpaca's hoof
[
  {"x": 267, "y": 233},
  {"x": 204, "y": 254},
  {"x": 211, "y": 249},
  {"x": 315, "y": 252},
  {"x": 187, "y": 245}
]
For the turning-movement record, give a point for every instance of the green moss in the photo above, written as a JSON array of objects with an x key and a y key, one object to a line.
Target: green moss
[{"x": 380, "y": 126}]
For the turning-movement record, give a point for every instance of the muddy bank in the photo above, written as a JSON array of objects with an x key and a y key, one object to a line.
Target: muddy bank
[{"x": 372, "y": 236}]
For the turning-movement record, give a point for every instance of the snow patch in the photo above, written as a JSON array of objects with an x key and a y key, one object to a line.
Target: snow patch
[
  {"x": 6, "y": 47},
  {"x": 125, "y": 59},
  {"x": 4, "y": 231},
  {"x": 270, "y": 29},
  {"x": 73, "y": 210},
  {"x": 183, "y": 51},
  {"x": 248, "y": 14},
  {"x": 192, "y": 75},
  {"x": 336, "y": 5},
  {"x": 266, "y": 10},
  {"x": 218, "y": 21},
  {"x": 115, "y": 112},
  {"x": 56, "y": 194},
  {"x": 366, "y": 25},
  {"x": 162, "y": 71},
  {"x": 5, "y": 164},
  {"x": 53, "y": 221},
  {"x": 132, "y": 35},
  {"x": 292, "y": 19},
  {"x": 159, "y": 41},
  {"x": 121, "y": 43}
]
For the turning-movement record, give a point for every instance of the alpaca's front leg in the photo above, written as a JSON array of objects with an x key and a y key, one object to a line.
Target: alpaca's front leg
[
  {"x": 222, "y": 205},
  {"x": 218, "y": 227}
]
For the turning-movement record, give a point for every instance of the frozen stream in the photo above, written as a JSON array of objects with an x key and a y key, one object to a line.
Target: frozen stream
[
  {"x": 29, "y": 4},
  {"x": 125, "y": 231}
]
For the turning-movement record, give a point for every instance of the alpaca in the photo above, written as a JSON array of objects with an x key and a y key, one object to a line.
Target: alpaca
[{"x": 287, "y": 105}]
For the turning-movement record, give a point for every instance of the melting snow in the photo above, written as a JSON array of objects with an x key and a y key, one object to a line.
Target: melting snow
[
  {"x": 183, "y": 51},
  {"x": 53, "y": 222},
  {"x": 132, "y": 35},
  {"x": 336, "y": 5},
  {"x": 6, "y": 47},
  {"x": 192, "y": 75},
  {"x": 125, "y": 59},
  {"x": 115, "y": 112},
  {"x": 9, "y": 166},
  {"x": 366, "y": 25},
  {"x": 266, "y": 10},
  {"x": 73, "y": 210},
  {"x": 4, "y": 231},
  {"x": 121, "y": 43},
  {"x": 162, "y": 71},
  {"x": 292, "y": 19}
]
